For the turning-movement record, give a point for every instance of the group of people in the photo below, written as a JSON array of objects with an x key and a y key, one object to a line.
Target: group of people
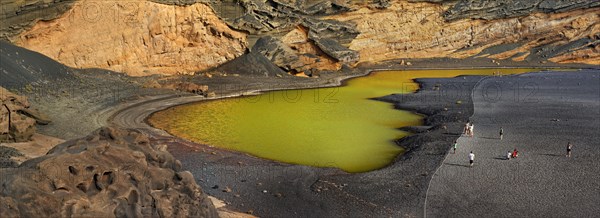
[
  {"x": 509, "y": 155},
  {"x": 469, "y": 129},
  {"x": 514, "y": 154}
]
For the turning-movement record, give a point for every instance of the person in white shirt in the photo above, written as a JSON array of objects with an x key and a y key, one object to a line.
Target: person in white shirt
[
  {"x": 471, "y": 129},
  {"x": 471, "y": 158},
  {"x": 508, "y": 155}
]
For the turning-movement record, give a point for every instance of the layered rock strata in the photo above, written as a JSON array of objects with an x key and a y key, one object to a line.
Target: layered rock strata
[{"x": 420, "y": 30}]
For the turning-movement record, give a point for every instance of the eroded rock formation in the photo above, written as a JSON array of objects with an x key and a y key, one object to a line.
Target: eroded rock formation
[
  {"x": 139, "y": 38},
  {"x": 492, "y": 9},
  {"x": 110, "y": 173},
  {"x": 419, "y": 30},
  {"x": 17, "y": 119}
]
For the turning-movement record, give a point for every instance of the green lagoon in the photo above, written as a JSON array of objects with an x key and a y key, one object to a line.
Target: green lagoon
[{"x": 325, "y": 127}]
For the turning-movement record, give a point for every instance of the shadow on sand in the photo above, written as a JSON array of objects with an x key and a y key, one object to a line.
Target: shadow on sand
[
  {"x": 458, "y": 165},
  {"x": 552, "y": 155},
  {"x": 490, "y": 138}
]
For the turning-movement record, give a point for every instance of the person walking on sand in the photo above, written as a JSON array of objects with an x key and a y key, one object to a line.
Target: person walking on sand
[
  {"x": 471, "y": 126},
  {"x": 515, "y": 153},
  {"x": 467, "y": 129},
  {"x": 454, "y": 146},
  {"x": 569, "y": 148},
  {"x": 508, "y": 155},
  {"x": 471, "y": 159},
  {"x": 501, "y": 133}
]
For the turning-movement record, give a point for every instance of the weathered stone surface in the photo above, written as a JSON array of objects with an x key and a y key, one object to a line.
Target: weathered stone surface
[
  {"x": 277, "y": 52},
  {"x": 343, "y": 32},
  {"x": 138, "y": 38},
  {"x": 17, "y": 120},
  {"x": 337, "y": 51},
  {"x": 418, "y": 30},
  {"x": 492, "y": 9},
  {"x": 110, "y": 173},
  {"x": 18, "y": 15}
]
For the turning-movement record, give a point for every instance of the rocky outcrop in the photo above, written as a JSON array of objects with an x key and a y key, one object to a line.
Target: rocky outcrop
[
  {"x": 296, "y": 54},
  {"x": 260, "y": 16},
  {"x": 19, "y": 15},
  {"x": 138, "y": 38},
  {"x": 110, "y": 173},
  {"x": 492, "y": 9},
  {"x": 419, "y": 30},
  {"x": 17, "y": 119},
  {"x": 277, "y": 52}
]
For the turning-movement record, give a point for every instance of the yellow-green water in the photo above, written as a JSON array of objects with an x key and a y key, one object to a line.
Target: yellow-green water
[{"x": 325, "y": 127}]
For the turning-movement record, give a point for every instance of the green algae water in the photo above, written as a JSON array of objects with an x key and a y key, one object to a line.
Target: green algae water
[{"x": 325, "y": 127}]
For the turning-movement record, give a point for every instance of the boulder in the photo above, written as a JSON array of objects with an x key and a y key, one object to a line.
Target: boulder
[
  {"x": 110, "y": 173},
  {"x": 17, "y": 119}
]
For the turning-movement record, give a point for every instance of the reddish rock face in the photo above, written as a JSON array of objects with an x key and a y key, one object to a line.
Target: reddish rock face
[
  {"x": 109, "y": 173},
  {"x": 15, "y": 125}
]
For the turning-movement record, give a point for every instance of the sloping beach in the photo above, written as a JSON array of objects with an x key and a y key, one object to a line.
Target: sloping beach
[{"x": 540, "y": 113}]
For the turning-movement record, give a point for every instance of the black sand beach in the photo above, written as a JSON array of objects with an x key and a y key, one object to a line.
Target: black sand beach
[{"x": 540, "y": 113}]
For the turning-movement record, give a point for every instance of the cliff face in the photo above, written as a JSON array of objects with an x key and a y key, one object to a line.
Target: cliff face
[
  {"x": 300, "y": 37},
  {"x": 139, "y": 38},
  {"x": 420, "y": 30}
]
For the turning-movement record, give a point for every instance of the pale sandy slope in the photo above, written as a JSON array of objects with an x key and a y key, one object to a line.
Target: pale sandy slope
[{"x": 540, "y": 113}]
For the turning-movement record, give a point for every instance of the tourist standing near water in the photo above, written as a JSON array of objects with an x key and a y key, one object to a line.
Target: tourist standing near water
[
  {"x": 471, "y": 158},
  {"x": 501, "y": 133},
  {"x": 569, "y": 148}
]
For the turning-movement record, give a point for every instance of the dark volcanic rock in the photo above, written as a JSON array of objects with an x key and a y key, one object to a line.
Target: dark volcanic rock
[
  {"x": 110, "y": 173},
  {"x": 251, "y": 64},
  {"x": 340, "y": 31},
  {"x": 337, "y": 51},
  {"x": 17, "y": 15},
  {"x": 380, "y": 4},
  {"x": 277, "y": 52},
  {"x": 492, "y": 9}
]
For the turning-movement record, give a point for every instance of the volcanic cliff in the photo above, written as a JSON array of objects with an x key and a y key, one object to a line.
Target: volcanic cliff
[{"x": 167, "y": 37}]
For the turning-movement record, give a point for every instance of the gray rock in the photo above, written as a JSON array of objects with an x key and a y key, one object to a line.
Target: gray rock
[
  {"x": 252, "y": 64},
  {"x": 492, "y": 9},
  {"x": 337, "y": 51},
  {"x": 277, "y": 52},
  {"x": 340, "y": 31}
]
